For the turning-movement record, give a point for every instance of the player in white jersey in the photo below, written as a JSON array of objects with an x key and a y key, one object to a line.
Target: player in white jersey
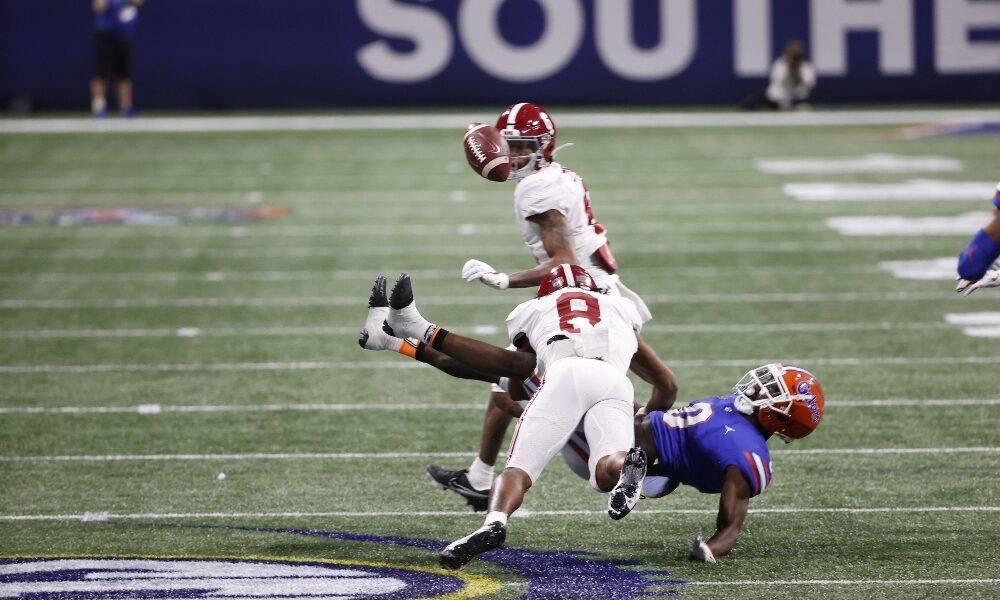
[
  {"x": 553, "y": 212},
  {"x": 585, "y": 339}
]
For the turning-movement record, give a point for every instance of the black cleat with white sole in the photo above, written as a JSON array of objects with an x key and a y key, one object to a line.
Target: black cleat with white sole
[
  {"x": 484, "y": 539},
  {"x": 623, "y": 497},
  {"x": 458, "y": 482}
]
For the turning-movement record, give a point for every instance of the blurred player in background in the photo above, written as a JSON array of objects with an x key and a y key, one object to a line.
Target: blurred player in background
[
  {"x": 584, "y": 340},
  {"x": 717, "y": 445},
  {"x": 115, "y": 24},
  {"x": 975, "y": 262},
  {"x": 552, "y": 207}
]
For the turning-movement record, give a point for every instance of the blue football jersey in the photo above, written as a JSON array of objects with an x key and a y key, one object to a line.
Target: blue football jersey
[{"x": 696, "y": 444}]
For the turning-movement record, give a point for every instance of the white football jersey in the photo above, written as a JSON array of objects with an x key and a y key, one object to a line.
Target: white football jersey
[
  {"x": 575, "y": 322},
  {"x": 557, "y": 188}
]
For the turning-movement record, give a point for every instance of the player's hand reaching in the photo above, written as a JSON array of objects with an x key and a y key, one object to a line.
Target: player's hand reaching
[
  {"x": 990, "y": 279},
  {"x": 477, "y": 269},
  {"x": 700, "y": 551}
]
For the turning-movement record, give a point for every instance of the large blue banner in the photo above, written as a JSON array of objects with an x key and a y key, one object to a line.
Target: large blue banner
[{"x": 226, "y": 54}]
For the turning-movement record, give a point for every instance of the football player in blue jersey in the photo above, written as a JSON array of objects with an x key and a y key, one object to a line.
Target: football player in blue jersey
[
  {"x": 717, "y": 445},
  {"x": 115, "y": 24},
  {"x": 975, "y": 262}
]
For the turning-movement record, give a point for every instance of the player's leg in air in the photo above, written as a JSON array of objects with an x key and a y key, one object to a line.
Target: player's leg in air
[{"x": 975, "y": 263}]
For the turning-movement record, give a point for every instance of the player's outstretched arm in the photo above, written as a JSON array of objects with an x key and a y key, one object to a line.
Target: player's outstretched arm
[
  {"x": 734, "y": 502},
  {"x": 558, "y": 243},
  {"x": 648, "y": 366}
]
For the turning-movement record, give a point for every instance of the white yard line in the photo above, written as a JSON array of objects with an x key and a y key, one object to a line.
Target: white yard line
[
  {"x": 368, "y": 275},
  {"x": 158, "y": 409},
  {"x": 763, "y": 246},
  {"x": 192, "y": 332},
  {"x": 871, "y": 163},
  {"x": 878, "y": 225},
  {"x": 911, "y": 191},
  {"x": 522, "y": 513},
  {"x": 355, "y": 365},
  {"x": 495, "y": 299},
  {"x": 103, "y": 458},
  {"x": 458, "y": 121}
]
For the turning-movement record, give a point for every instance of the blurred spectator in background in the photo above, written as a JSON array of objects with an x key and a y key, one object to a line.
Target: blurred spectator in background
[
  {"x": 115, "y": 22},
  {"x": 792, "y": 78}
]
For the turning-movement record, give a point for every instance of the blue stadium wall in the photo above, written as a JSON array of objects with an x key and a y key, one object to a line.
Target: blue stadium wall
[{"x": 229, "y": 54}]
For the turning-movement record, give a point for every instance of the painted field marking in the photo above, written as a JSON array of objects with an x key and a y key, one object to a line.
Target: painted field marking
[
  {"x": 870, "y": 163},
  {"x": 478, "y": 300},
  {"x": 522, "y": 513},
  {"x": 876, "y": 225},
  {"x": 382, "y": 231},
  {"x": 937, "y": 269},
  {"x": 912, "y": 191},
  {"x": 425, "y": 455},
  {"x": 763, "y": 246},
  {"x": 159, "y": 409},
  {"x": 457, "y": 121},
  {"x": 693, "y": 328},
  {"x": 977, "y": 324},
  {"x": 354, "y": 365},
  {"x": 368, "y": 275}
]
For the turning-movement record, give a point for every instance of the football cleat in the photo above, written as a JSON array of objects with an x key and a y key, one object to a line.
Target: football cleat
[
  {"x": 623, "y": 497},
  {"x": 404, "y": 319},
  {"x": 458, "y": 482},
  {"x": 484, "y": 539},
  {"x": 372, "y": 335}
]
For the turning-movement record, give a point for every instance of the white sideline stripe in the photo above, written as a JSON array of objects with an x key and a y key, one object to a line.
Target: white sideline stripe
[
  {"x": 762, "y": 246},
  {"x": 921, "y": 190},
  {"x": 323, "y": 365},
  {"x": 832, "y": 582},
  {"x": 943, "y": 268},
  {"x": 191, "y": 332},
  {"x": 522, "y": 513},
  {"x": 973, "y": 318},
  {"x": 495, "y": 299},
  {"x": 875, "y": 225},
  {"x": 871, "y": 163},
  {"x": 422, "y": 455},
  {"x": 458, "y": 121},
  {"x": 156, "y": 409}
]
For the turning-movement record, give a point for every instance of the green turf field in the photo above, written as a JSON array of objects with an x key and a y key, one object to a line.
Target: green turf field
[{"x": 139, "y": 363}]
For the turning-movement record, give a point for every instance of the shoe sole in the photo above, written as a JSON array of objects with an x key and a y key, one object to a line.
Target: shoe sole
[
  {"x": 460, "y": 556},
  {"x": 620, "y": 501}
]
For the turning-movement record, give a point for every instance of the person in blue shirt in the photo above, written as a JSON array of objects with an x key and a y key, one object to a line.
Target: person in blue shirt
[
  {"x": 115, "y": 23},
  {"x": 975, "y": 262},
  {"x": 717, "y": 445}
]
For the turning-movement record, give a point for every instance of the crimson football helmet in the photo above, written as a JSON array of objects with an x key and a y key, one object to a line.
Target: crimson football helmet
[
  {"x": 525, "y": 124},
  {"x": 564, "y": 276},
  {"x": 788, "y": 400}
]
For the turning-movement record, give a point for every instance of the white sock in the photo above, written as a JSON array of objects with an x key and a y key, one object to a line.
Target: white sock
[
  {"x": 480, "y": 474},
  {"x": 98, "y": 104},
  {"x": 495, "y": 516}
]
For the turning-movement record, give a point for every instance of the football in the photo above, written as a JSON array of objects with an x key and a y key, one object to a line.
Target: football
[{"x": 487, "y": 152}]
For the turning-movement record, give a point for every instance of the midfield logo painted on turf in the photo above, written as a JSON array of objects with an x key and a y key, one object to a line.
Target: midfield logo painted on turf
[{"x": 557, "y": 574}]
